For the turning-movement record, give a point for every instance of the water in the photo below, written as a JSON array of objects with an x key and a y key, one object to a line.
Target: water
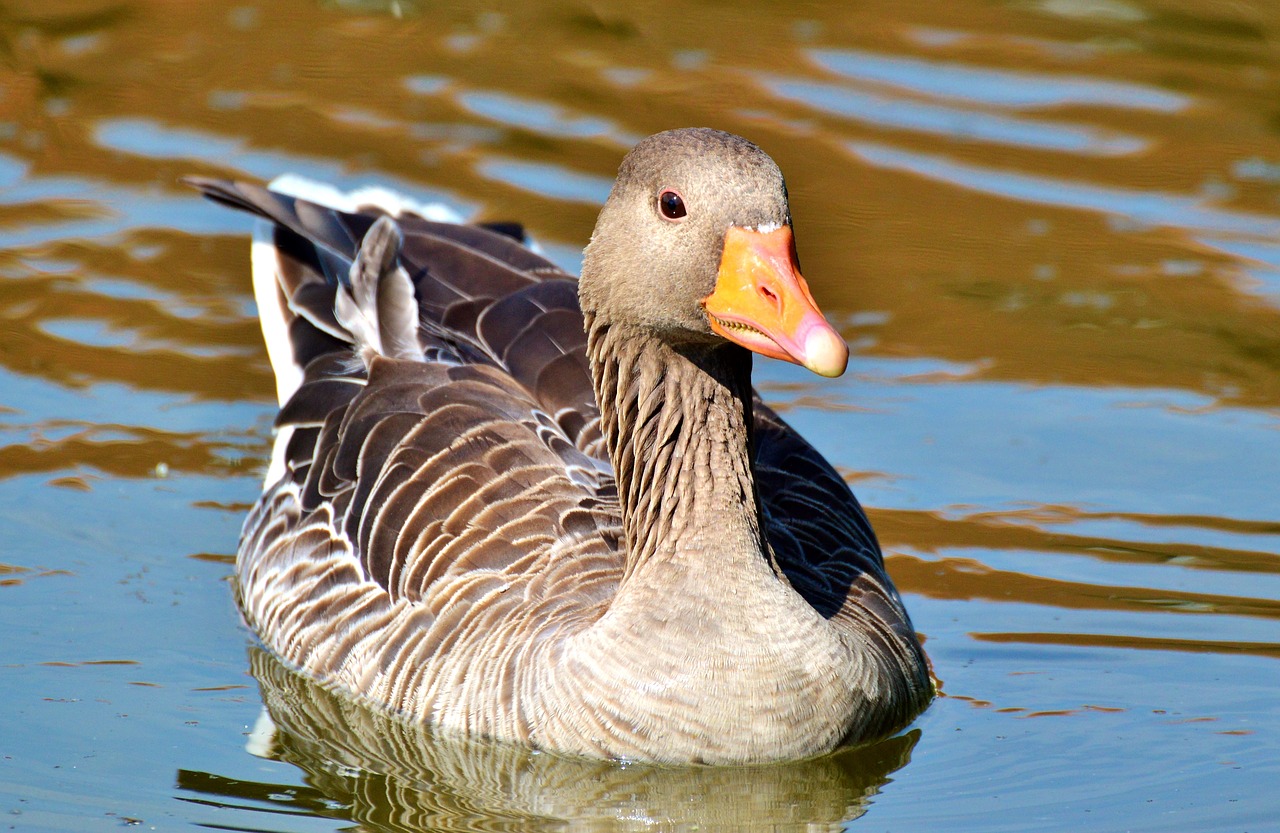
[{"x": 1050, "y": 230}]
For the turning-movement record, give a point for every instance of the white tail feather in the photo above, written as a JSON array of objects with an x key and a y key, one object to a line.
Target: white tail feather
[{"x": 389, "y": 201}]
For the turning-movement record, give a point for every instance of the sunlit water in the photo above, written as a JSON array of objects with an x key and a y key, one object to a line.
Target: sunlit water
[{"x": 1050, "y": 230}]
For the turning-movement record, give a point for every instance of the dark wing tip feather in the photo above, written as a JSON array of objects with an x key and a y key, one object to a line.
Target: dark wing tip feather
[
  {"x": 507, "y": 229},
  {"x": 222, "y": 191},
  {"x": 327, "y": 227}
]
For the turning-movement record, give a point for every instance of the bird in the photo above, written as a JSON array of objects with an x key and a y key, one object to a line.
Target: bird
[{"x": 554, "y": 512}]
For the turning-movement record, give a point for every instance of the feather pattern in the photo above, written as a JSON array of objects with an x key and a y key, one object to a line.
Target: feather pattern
[{"x": 485, "y": 506}]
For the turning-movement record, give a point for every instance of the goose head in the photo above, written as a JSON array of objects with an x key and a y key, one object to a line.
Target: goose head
[{"x": 694, "y": 244}]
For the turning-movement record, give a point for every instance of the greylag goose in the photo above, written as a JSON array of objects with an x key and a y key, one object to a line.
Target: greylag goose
[{"x": 555, "y": 513}]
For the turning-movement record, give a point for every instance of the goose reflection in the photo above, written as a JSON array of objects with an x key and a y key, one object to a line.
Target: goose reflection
[{"x": 389, "y": 775}]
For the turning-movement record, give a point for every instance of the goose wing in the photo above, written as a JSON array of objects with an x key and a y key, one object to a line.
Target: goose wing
[
  {"x": 819, "y": 532},
  {"x": 422, "y": 497}
]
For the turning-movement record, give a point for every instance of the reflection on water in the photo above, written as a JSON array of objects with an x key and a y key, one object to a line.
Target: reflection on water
[
  {"x": 1050, "y": 230},
  {"x": 385, "y": 774},
  {"x": 1013, "y": 89},
  {"x": 954, "y": 122},
  {"x": 1141, "y": 208}
]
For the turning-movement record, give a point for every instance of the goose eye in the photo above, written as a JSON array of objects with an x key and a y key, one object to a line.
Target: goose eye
[{"x": 671, "y": 205}]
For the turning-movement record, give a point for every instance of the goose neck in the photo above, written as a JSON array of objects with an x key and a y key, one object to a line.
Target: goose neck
[{"x": 676, "y": 420}]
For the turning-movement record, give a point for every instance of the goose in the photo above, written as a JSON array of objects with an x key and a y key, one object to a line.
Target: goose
[{"x": 513, "y": 505}]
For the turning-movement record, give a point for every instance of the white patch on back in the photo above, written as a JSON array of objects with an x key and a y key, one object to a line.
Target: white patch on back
[
  {"x": 275, "y": 330},
  {"x": 374, "y": 195},
  {"x": 279, "y": 451}
]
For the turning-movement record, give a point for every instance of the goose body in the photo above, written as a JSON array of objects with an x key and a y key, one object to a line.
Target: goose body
[{"x": 554, "y": 512}]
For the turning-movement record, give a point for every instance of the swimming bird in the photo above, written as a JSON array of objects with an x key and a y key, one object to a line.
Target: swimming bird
[{"x": 555, "y": 512}]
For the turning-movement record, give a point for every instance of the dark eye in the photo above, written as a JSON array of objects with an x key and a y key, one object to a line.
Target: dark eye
[{"x": 671, "y": 205}]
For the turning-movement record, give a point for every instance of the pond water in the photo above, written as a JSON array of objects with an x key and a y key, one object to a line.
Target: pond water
[{"x": 1050, "y": 229}]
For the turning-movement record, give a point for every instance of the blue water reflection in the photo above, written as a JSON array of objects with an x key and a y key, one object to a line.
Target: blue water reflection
[
  {"x": 1148, "y": 208},
  {"x": 549, "y": 181},
  {"x": 994, "y": 87},
  {"x": 542, "y": 117},
  {"x": 955, "y": 122}
]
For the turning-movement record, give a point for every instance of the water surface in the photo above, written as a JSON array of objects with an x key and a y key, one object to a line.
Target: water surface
[{"x": 1049, "y": 229}]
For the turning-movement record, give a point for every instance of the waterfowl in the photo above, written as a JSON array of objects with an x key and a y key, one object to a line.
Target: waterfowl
[{"x": 556, "y": 513}]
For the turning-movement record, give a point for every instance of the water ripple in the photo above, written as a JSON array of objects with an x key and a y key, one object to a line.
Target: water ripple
[
  {"x": 550, "y": 181},
  {"x": 146, "y": 138},
  {"x": 542, "y": 117},
  {"x": 995, "y": 87},
  {"x": 1148, "y": 208},
  {"x": 955, "y": 122}
]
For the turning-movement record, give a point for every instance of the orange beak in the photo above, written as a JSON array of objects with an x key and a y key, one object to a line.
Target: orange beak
[{"x": 761, "y": 302}]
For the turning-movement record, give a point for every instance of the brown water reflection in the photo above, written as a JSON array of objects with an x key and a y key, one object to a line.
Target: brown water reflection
[
  {"x": 167, "y": 319},
  {"x": 931, "y": 532},
  {"x": 1050, "y": 230},
  {"x": 447, "y": 95},
  {"x": 1107, "y": 640}
]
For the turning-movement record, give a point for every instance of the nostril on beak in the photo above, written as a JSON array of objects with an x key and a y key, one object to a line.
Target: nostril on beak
[{"x": 768, "y": 294}]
